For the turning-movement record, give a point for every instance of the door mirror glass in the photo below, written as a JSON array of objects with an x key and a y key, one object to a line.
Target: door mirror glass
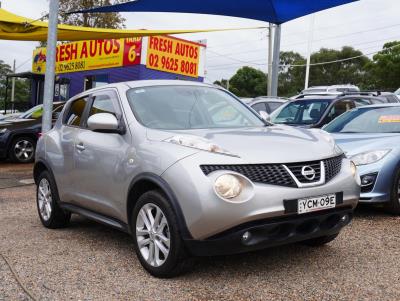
[
  {"x": 264, "y": 115},
  {"x": 103, "y": 122}
]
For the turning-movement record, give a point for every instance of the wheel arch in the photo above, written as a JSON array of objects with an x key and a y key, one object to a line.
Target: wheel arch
[{"x": 147, "y": 182}]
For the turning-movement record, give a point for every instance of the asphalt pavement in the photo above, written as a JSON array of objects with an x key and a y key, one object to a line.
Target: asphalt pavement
[{"x": 88, "y": 261}]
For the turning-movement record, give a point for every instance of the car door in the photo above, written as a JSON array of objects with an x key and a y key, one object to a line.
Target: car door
[
  {"x": 64, "y": 163},
  {"x": 100, "y": 161}
]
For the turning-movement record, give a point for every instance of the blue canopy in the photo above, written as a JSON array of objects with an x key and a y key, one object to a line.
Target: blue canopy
[{"x": 273, "y": 11}]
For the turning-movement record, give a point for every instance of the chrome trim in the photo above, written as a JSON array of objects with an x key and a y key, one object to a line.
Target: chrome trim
[{"x": 312, "y": 184}]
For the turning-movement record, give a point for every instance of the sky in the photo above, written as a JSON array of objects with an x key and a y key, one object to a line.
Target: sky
[{"x": 366, "y": 25}]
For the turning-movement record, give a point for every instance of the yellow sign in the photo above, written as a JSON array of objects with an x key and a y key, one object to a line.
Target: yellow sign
[
  {"x": 389, "y": 119},
  {"x": 173, "y": 55},
  {"x": 91, "y": 55}
]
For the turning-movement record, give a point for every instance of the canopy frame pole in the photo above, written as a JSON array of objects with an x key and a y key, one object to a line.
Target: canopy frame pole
[
  {"x": 276, "y": 59},
  {"x": 48, "y": 97},
  {"x": 270, "y": 53},
  {"x": 309, "y": 49},
  {"x": 5, "y": 97}
]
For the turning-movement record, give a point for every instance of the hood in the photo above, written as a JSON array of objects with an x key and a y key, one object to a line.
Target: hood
[
  {"x": 353, "y": 144},
  {"x": 272, "y": 144}
]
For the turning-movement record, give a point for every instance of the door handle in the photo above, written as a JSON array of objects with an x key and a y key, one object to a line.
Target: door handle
[{"x": 80, "y": 147}]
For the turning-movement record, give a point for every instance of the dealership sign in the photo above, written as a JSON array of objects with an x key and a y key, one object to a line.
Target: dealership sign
[
  {"x": 173, "y": 55},
  {"x": 90, "y": 55}
]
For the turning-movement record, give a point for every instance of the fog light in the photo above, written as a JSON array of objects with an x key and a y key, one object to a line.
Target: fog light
[
  {"x": 228, "y": 186},
  {"x": 246, "y": 236},
  {"x": 344, "y": 218},
  {"x": 368, "y": 180}
]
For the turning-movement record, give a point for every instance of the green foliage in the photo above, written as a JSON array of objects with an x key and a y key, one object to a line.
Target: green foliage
[
  {"x": 291, "y": 78},
  {"x": 248, "y": 82},
  {"x": 223, "y": 83},
  {"x": 108, "y": 20},
  {"x": 385, "y": 67}
]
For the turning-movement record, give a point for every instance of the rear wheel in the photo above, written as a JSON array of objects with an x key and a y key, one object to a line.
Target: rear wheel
[
  {"x": 394, "y": 205},
  {"x": 51, "y": 215},
  {"x": 157, "y": 240},
  {"x": 320, "y": 241},
  {"x": 22, "y": 150}
]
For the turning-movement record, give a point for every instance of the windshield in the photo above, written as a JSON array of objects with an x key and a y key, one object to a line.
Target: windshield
[
  {"x": 367, "y": 120},
  {"x": 34, "y": 113},
  {"x": 189, "y": 107},
  {"x": 305, "y": 111}
]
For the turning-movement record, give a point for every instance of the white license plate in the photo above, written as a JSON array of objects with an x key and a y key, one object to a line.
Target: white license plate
[{"x": 316, "y": 203}]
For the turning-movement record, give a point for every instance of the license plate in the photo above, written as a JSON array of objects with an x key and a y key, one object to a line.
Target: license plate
[{"x": 316, "y": 203}]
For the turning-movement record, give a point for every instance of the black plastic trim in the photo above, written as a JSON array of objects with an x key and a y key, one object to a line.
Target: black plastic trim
[
  {"x": 272, "y": 232},
  {"x": 185, "y": 233}
]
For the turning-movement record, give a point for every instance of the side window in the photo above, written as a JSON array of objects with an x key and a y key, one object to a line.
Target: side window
[
  {"x": 75, "y": 112},
  {"x": 57, "y": 112},
  {"x": 105, "y": 102},
  {"x": 258, "y": 107},
  {"x": 339, "y": 108},
  {"x": 362, "y": 102},
  {"x": 273, "y": 106}
]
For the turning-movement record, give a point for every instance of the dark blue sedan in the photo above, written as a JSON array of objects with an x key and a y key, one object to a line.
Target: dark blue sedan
[{"x": 370, "y": 136}]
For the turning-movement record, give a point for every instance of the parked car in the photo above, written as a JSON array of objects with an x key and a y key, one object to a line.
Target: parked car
[
  {"x": 187, "y": 169},
  {"x": 265, "y": 104},
  {"x": 370, "y": 136},
  {"x": 314, "y": 111},
  {"x": 9, "y": 116},
  {"x": 18, "y": 136}
]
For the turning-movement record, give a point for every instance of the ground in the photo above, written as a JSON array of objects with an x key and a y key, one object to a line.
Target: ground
[{"x": 88, "y": 261}]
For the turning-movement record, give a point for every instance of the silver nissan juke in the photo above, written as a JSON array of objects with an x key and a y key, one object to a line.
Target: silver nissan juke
[{"x": 188, "y": 170}]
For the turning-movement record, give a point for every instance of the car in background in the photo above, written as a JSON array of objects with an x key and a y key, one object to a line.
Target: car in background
[
  {"x": 370, "y": 137},
  {"x": 9, "y": 116},
  {"x": 187, "y": 169},
  {"x": 265, "y": 105},
  {"x": 335, "y": 89},
  {"x": 18, "y": 136},
  {"x": 397, "y": 92},
  {"x": 314, "y": 111}
]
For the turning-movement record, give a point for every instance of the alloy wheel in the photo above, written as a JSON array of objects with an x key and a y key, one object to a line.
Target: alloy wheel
[
  {"x": 44, "y": 199},
  {"x": 24, "y": 150},
  {"x": 152, "y": 234}
]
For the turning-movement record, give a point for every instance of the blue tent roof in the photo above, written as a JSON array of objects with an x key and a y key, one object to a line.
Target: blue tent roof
[{"x": 273, "y": 11}]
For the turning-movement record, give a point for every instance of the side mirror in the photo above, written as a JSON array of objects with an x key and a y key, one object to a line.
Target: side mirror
[
  {"x": 264, "y": 115},
  {"x": 104, "y": 123}
]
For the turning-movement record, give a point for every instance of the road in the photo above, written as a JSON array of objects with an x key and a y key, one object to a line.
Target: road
[{"x": 88, "y": 261}]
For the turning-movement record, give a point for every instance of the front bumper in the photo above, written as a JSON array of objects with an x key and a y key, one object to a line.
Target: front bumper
[
  {"x": 207, "y": 215},
  {"x": 3, "y": 145},
  {"x": 272, "y": 232}
]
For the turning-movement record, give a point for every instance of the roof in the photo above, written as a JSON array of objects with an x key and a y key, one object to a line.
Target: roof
[
  {"x": 383, "y": 105},
  {"x": 273, "y": 11}
]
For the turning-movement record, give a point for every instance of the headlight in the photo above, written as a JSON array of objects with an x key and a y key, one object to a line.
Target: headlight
[
  {"x": 2, "y": 131},
  {"x": 369, "y": 157},
  {"x": 198, "y": 143},
  {"x": 228, "y": 186}
]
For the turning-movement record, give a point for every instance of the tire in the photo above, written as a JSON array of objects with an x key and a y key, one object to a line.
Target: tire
[
  {"x": 394, "y": 204},
  {"x": 22, "y": 150},
  {"x": 47, "y": 199},
  {"x": 320, "y": 241},
  {"x": 163, "y": 235}
]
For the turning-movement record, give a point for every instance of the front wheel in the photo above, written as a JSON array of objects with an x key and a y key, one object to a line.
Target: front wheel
[
  {"x": 157, "y": 240},
  {"x": 394, "y": 205}
]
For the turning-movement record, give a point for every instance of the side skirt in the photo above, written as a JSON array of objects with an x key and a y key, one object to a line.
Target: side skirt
[{"x": 108, "y": 221}]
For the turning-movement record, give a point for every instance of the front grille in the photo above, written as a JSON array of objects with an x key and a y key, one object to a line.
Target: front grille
[
  {"x": 332, "y": 167},
  {"x": 276, "y": 174},
  {"x": 273, "y": 174}
]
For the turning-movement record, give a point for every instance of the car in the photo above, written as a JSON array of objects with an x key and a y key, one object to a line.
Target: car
[
  {"x": 314, "y": 111},
  {"x": 189, "y": 170},
  {"x": 18, "y": 135},
  {"x": 265, "y": 104},
  {"x": 335, "y": 89},
  {"x": 370, "y": 137}
]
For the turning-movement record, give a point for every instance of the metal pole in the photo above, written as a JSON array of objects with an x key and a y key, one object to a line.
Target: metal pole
[
  {"x": 6, "y": 96},
  {"x": 275, "y": 63},
  {"x": 309, "y": 48},
  {"x": 13, "y": 90},
  {"x": 50, "y": 66},
  {"x": 270, "y": 49}
]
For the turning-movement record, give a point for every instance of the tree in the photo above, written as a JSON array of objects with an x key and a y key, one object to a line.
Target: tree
[
  {"x": 291, "y": 77},
  {"x": 248, "y": 82},
  {"x": 108, "y": 20},
  {"x": 222, "y": 83},
  {"x": 346, "y": 72},
  {"x": 385, "y": 67}
]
